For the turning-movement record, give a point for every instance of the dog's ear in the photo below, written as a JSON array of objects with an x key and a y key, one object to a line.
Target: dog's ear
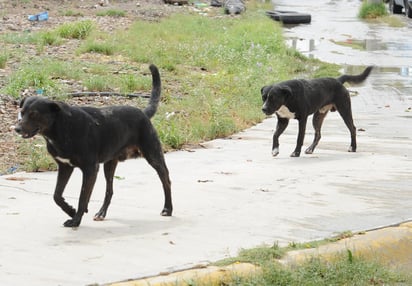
[
  {"x": 57, "y": 106},
  {"x": 262, "y": 89},
  {"x": 286, "y": 91},
  {"x": 264, "y": 92}
]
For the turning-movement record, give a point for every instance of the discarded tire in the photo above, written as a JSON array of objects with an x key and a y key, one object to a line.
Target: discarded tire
[{"x": 290, "y": 17}]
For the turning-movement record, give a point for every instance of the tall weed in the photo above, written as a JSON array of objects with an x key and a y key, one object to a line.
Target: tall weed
[{"x": 75, "y": 30}]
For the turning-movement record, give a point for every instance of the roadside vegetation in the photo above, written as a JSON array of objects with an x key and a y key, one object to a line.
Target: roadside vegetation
[
  {"x": 343, "y": 269},
  {"x": 212, "y": 68},
  {"x": 372, "y": 10},
  {"x": 378, "y": 12}
]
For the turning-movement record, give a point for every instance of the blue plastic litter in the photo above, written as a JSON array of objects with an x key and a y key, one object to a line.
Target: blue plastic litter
[
  {"x": 44, "y": 16},
  {"x": 10, "y": 170}
]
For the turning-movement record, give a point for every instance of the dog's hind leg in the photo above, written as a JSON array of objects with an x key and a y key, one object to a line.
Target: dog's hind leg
[
  {"x": 160, "y": 166},
  {"x": 317, "y": 121},
  {"x": 109, "y": 169},
  {"x": 152, "y": 152},
  {"x": 345, "y": 111},
  {"x": 89, "y": 178},
  {"x": 63, "y": 176},
  {"x": 349, "y": 123},
  {"x": 281, "y": 126}
]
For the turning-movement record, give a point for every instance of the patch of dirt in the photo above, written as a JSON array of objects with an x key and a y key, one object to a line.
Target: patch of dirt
[{"x": 14, "y": 19}]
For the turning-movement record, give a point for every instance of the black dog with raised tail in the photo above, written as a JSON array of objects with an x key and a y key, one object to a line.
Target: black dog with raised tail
[
  {"x": 84, "y": 137},
  {"x": 299, "y": 98}
]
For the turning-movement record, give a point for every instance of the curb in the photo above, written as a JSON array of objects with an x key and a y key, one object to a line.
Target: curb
[
  {"x": 210, "y": 274},
  {"x": 391, "y": 246}
]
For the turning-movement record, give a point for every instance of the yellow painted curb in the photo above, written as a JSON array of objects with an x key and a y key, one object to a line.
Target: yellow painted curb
[
  {"x": 211, "y": 275},
  {"x": 391, "y": 246}
]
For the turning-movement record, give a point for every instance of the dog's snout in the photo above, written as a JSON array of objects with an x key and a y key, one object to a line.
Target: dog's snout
[
  {"x": 18, "y": 129},
  {"x": 265, "y": 108}
]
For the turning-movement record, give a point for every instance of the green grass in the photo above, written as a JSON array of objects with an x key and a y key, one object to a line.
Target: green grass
[
  {"x": 216, "y": 68},
  {"x": 103, "y": 48},
  {"x": 41, "y": 73},
  {"x": 111, "y": 13},
  {"x": 372, "y": 10},
  {"x": 71, "y": 13},
  {"x": 344, "y": 269},
  {"x": 3, "y": 60},
  {"x": 37, "y": 158},
  {"x": 76, "y": 30},
  {"x": 97, "y": 83},
  {"x": 49, "y": 38},
  {"x": 23, "y": 38}
]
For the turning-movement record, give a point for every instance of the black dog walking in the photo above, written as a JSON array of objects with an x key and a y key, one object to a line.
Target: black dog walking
[
  {"x": 84, "y": 137},
  {"x": 299, "y": 98}
]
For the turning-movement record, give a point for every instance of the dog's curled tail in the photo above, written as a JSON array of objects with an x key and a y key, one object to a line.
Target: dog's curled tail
[
  {"x": 355, "y": 78},
  {"x": 151, "y": 109}
]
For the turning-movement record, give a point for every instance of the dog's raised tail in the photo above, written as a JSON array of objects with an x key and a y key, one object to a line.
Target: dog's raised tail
[
  {"x": 151, "y": 109},
  {"x": 355, "y": 78}
]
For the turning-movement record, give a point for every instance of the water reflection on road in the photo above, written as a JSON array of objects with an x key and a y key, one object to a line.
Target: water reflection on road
[{"x": 337, "y": 35}]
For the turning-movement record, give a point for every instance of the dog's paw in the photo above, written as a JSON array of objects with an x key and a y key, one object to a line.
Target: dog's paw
[
  {"x": 71, "y": 223},
  {"x": 166, "y": 212},
  {"x": 309, "y": 151},
  {"x": 295, "y": 154},
  {"x": 351, "y": 149},
  {"x": 275, "y": 152},
  {"x": 98, "y": 217}
]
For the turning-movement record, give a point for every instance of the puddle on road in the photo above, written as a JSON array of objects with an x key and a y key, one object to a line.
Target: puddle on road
[
  {"x": 395, "y": 78},
  {"x": 337, "y": 35}
]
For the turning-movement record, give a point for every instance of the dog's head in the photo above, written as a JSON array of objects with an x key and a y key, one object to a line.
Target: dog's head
[
  {"x": 37, "y": 115},
  {"x": 273, "y": 97}
]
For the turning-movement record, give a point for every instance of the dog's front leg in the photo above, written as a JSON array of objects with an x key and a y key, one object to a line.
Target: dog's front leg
[
  {"x": 89, "y": 178},
  {"x": 301, "y": 137},
  {"x": 281, "y": 126},
  {"x": 63, "y": 176}
]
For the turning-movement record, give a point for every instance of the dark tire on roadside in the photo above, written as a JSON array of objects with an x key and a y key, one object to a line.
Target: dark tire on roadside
[
  {"x": 408, "y": 10},
  {"x": 394, "y": 8},
  {"x": 290, "y": 17}
]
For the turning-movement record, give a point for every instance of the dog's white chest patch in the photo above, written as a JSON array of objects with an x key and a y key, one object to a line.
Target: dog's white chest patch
[
  {"x": 284, "y": 112},
  {"x": 64, "y": 161}
]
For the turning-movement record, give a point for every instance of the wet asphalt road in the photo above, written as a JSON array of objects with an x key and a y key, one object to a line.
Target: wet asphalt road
[{"x": 232, "y": 194}]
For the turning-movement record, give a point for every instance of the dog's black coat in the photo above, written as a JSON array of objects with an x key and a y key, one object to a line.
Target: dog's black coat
[
  {"x": 300, "y": 98},
  {"x": 86, "y": 136}
]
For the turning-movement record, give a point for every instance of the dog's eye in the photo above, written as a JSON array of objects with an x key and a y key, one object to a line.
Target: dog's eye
[{"x": 264, "y": 97}]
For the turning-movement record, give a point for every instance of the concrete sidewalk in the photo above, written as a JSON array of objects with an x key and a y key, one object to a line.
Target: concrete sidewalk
[{"x": 228, "y": 195}]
